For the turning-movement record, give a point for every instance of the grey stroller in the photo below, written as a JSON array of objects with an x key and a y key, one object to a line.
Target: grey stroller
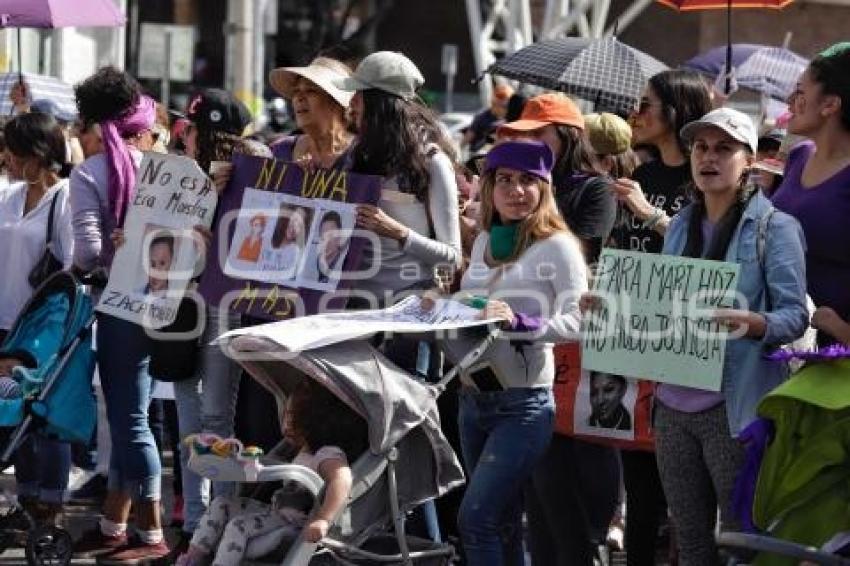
[{"x": 409, "y": 461}]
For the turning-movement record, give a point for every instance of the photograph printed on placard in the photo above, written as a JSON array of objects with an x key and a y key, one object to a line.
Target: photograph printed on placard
[{"x": 605, "y": 405}]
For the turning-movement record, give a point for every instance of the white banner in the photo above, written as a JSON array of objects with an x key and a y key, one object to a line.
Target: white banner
[
  {"x": 152, "y": 269},
  {"x": 407, "y": 316}
]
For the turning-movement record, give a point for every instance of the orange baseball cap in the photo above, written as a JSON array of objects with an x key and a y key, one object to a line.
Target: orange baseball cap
[{"x": 545, "y": 109}]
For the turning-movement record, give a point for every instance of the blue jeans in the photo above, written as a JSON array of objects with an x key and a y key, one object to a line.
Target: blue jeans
[
  {"x": 122, "y": 357},
  {"x": 503, "y": 435},
  {"x": 41, "y": 468},
  {"x": 207, "y": 403}
]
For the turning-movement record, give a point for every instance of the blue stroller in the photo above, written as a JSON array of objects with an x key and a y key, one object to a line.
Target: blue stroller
[{"x": 53, "y": 337}]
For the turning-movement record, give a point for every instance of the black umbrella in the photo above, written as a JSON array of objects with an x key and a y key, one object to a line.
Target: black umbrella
[{"x": 606, "y": 72}]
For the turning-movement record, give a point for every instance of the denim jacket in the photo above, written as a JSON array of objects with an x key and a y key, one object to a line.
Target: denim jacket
[{"x": 747, "y": 375}]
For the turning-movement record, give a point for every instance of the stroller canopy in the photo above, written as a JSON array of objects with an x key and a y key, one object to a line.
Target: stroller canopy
[{"x": 395, "y": 405}]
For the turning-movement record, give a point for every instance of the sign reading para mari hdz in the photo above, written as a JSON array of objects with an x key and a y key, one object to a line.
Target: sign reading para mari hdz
[{"x": 656, "y": 318}]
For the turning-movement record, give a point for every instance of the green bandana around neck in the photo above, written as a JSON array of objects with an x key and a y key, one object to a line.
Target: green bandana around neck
[{"x": 503, "y": 240}]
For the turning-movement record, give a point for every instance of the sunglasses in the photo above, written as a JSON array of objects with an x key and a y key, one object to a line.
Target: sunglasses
[{"x": 644, "y": 105}]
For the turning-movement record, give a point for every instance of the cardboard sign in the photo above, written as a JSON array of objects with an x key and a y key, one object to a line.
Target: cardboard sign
[
  {"x": 151, "y": 270},
  {"x": 283, "y": 240},
  {"x": 656, "y": 319},
  {"x": 601, "y": 408}
]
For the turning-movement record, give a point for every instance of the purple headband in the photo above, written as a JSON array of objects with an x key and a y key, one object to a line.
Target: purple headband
[
  {"x": 533, "y": 157},
  {"x": 120, "y": 167}
]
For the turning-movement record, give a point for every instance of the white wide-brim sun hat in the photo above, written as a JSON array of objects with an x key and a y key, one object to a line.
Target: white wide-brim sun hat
[{"x": 322, "y": 71}]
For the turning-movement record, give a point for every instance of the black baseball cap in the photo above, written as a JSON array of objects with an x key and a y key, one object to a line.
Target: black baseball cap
[{"x": 217, "y": 109}]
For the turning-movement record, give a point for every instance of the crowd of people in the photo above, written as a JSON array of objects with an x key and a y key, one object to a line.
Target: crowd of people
[{"x": 549, "y": 186}]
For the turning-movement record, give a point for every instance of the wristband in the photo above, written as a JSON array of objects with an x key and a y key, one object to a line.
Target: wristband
[{"x": 656, "y": 217}]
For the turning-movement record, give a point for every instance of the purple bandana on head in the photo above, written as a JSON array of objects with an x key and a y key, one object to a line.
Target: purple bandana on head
[
  {"x": 122, "y": 171},
  {"x": 533, "y": 157}
]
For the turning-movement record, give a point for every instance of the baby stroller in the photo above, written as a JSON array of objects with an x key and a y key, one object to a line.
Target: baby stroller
[
  {"x": 409, "y": 461},
  {"x": 53, "y": 335},
  {"x": 803, "y": 485}
]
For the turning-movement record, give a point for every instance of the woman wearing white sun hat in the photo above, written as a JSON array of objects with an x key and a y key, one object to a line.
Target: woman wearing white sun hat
[{"x": 320, "y": 112}]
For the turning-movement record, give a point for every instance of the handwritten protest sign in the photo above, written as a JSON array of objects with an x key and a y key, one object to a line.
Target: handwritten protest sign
[
  {"x": 310, "y": 332},
  {"x": 656, "y": 320},
  {"x": 151, "y": 270},
  {"x": 283, "y": 237}
]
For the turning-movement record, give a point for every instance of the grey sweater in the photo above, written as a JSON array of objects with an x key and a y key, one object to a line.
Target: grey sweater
[{"x": 398, "y": 266}]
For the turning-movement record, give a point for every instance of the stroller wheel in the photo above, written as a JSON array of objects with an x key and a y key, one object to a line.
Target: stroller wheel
[{"x": 49, "y": 546}]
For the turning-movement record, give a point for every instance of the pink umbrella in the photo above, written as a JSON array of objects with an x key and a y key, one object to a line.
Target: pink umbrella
[
  {"x": 60, "y": 13},
  {"x": 57, "y": 14}
]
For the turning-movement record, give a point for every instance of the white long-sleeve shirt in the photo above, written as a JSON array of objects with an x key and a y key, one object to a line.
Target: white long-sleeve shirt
[
  {"x": 401, "y": 266},
  {"x": 22, "y": 242},
  {"x": 544, "y": 284}
]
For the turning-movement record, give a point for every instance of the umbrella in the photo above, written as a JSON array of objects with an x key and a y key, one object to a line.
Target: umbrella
[
  {"x": 40, "y": 86},
  {"x": 606, "y": 72},
  {"x": 685, "y": 5},
  {"x": 772, "y": 71},
  {"x": 58, "y": 14}
]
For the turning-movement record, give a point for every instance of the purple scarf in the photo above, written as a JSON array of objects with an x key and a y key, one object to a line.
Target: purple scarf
[{"x": 122, "y": 171}]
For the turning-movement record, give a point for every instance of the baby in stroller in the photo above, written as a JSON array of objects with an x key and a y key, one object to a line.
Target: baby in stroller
[{"x": 327, "y": 435}]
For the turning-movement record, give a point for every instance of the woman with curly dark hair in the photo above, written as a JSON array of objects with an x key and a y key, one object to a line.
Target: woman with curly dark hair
[
  {"x": 101, "y": 190},
  {"x": 328, "y": 436}
]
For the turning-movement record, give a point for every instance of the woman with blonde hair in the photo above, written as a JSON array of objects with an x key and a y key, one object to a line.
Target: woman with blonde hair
[{"x": 531, "y": 270}]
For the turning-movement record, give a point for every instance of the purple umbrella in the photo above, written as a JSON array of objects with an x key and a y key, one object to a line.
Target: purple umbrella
[
  {"x": 57, "y": 14},
  {"x": 60, "y": 13},
  {"x": 770, "y": 70}
]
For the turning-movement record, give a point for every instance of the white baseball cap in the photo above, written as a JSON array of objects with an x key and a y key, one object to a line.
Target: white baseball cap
[
  {"x": 385, "y": 70},
  {"x": 734, "y": 122}
]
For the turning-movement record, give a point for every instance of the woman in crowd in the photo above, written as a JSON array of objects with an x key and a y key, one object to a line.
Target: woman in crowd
[
  {"x": 698, "y": 454},
  {"x": 611, "y": 139},
  {"x": 656, "y": 189},
  {"x": 816, "y": 186},
  {"x": 207, "y": 401},
  {"x": 416, "y": 220},
  {"x": 34, "y": 204},
  {"x": 101, "y": 190},
  {"x": 569, "y": 518},
  {"x": 506, "y": 407},
  {"x": 320, "y": 112},
  {"x": 587, "y": 206}
]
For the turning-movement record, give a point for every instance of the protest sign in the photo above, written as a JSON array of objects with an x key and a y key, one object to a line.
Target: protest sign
[
  {"x": 310, "y": 332},
  {"x": 656, "y": 319},
  {"x": 600, "y": 407},
  {"x": 151, "y": 270},
  {"x": 283, "y": 237}
]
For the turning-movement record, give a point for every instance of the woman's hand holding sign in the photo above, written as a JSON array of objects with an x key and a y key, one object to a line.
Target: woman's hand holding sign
[
  {"x": 742, "y": 322},
  {"x": 370, "y": 217}
]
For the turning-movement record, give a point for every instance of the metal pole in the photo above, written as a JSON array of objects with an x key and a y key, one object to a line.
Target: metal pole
[
  {"x": 165, "y": 93},
  {"x": 728, "y": 46},
  {"x": 450, "y": 87}
]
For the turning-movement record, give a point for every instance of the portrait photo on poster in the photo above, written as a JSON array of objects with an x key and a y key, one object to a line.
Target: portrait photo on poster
[
  {"x": 329, "y": 240},
  {"x": 605, "y": 405},
  {"x": 160, "y": 248},
  {"x": 289, "y": 240}
]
